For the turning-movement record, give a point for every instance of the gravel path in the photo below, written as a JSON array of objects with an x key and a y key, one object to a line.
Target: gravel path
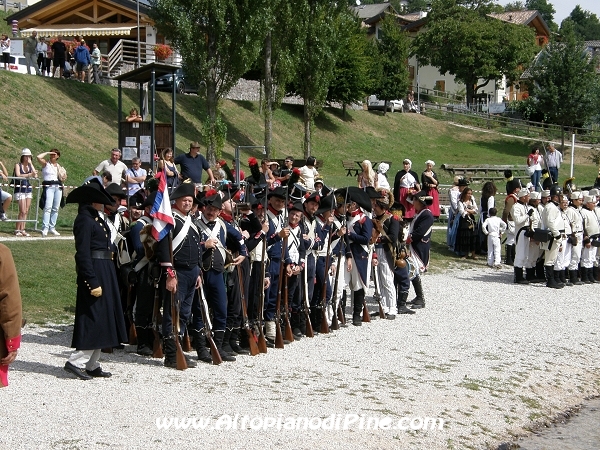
[{"x": 489, "y": 357}]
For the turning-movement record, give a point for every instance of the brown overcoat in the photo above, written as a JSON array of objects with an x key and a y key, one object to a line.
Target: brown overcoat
[{"x": 10, "y": 309}]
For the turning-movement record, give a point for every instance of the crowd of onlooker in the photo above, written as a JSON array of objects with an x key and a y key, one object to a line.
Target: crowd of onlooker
[{"x": 57, "y": 58}]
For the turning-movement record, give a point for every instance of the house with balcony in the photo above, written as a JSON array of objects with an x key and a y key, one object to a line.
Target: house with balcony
[{"x": 123, "y": 30}]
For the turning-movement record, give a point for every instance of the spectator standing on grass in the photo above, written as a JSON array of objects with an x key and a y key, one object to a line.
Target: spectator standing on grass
[
  {"x": 23, "y": 190},
  {"x": 59, "y": 54},
  {"x": 53, "y": 178},
  {"x": 309, "y": 172},
  {"x": 429, "y": 183},
  {"x": 29, "y": 49},
  {"x": 486, "y": 203},
  {"x": 493, "y": 227},
  {"x": 554, "y": 159},
  {"x": 96, "y": 61},
  {"x": 382, "y": 180},
  {"x": 5, "y": 47},
  {"x": 135, "y": 177},
  {"x": 534, "y": 162},
  {"x": 5, "y": 197},
  {"x": 113, "y": 165},
  {"x": 192, "y": 164},
  {"x": 466, "y": 236},
  {"x": 167, "y": 164},
  {"x": 406, "y": 183},
  {"x": 367, "y": 177},
  {"x": 82, "y": 60}
]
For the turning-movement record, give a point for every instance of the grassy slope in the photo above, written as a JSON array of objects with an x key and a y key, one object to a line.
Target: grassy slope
[{"x": 81, "y": 119}]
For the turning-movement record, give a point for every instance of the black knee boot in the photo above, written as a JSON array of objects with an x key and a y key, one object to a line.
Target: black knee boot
[
  {"x": 519, "y": 276},
  {"x": 145, "y": 340},
  {"x": 200, "y": 344},
  {"x": 510, "y": 256},
  {"x": 401, "y": 303},
  {"x": 550, "y": 281},
  {"x": 574, "y": 279},
  {"x": 234, "y": 342},
  {"x": 359, "y": 297},
  {"x": 563, "y": 278},
  {"x": 419, "y": 301},
  {"x": 170, "y": 353},
  {"x": 218, "y": 338},
  {"x": 226, "y": 346}
]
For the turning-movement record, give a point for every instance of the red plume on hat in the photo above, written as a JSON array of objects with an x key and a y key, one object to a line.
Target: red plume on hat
[
  {"x": 294, "y": 177},
  {"x": 253, "y": 163},
  {"x": 210, "y": 193},
  {"x": 227, "y": 170}
]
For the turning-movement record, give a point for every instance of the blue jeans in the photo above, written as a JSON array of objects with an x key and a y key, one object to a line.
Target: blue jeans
[
  {"x": 553, "y": 174},
  {"x": 53, "y": 196},
  {"x": 535, "y": 180}
]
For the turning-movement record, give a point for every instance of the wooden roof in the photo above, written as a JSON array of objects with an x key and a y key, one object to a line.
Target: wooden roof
[{"x": 71, "y": 14}]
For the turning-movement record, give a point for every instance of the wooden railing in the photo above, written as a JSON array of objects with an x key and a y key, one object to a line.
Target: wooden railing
[{"x": 125, "y": 53}]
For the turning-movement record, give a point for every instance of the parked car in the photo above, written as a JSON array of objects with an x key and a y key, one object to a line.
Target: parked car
[
  {"x": 17, "y": 64},
  {"x": 373, "y": 103},
  {"x": 183, "y": 85}
]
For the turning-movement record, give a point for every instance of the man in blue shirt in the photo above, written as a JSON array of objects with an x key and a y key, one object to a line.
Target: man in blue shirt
[{"x": 192, "y": 164}]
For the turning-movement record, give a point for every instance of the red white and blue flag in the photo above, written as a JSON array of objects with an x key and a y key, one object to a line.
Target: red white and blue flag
[{"x": 161, "y": 210}]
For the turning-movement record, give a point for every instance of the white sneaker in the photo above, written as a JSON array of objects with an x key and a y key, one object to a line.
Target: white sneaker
[
  {"x": 3, "y": 217},
  {"x": 44, "y": 232},
  {"x": 54, "y": 232}
]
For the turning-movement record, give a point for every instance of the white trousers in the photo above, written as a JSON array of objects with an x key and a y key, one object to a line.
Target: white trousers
[
  {"x": 85, "y": 359},
  {"x": 576, "y": 252},
  {"x": 386, "y": 287},
  {"x": 521, "y": 250},
  {"x": 588, "y": 257},
  {"x": 563, "y": 259},
  {"x": 534, "y": 253},
  {"x": 494, "y": 250}
]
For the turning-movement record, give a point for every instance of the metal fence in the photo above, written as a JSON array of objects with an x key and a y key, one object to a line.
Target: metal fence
[
  {"x": 517, "y": 127},
  {"x": 12, "y": 211}
]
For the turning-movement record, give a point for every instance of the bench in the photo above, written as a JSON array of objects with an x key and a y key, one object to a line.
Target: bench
[
  {"x": 353, "y": 168},
  {"x": 485, "y": 172}
]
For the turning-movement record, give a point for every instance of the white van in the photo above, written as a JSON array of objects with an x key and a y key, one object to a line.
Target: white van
[{"x": 373, "y": 103}]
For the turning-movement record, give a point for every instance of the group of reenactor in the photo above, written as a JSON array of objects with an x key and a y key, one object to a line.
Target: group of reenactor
[
  {"x": 553, "y": 235},
  {"x": 250, "y": 267}
]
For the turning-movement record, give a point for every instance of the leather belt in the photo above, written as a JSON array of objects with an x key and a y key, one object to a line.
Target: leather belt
[{"x": 103, "y": 254}]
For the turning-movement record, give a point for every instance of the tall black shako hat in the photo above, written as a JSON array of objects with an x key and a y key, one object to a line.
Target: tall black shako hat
[
  {"x": 279, "y": 192},
  {"x": 355, "y": 194},
  {"x": 115, "y": 190},
  {"x": 326, "y": 204},
  {"x": 185, "y": 190},
  {"x": 91, "y": 191},
  {"x": 213, "y": 198},
  {"x": 423, "y": 197}
]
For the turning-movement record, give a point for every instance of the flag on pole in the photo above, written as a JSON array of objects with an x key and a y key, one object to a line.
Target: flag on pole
[{"x": 161, "y": 209}]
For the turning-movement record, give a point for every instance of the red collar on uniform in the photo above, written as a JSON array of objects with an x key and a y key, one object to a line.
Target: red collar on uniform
[
  {"x": 356, "y": 213},
  {"x": 226, "y": 217},
  {"x": 274, "y": 211}
]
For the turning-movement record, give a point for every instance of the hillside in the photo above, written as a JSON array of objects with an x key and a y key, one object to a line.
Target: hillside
[{"x": 81, "y": 120}]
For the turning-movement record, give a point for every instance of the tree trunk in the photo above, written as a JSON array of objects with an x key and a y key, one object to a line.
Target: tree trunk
[
  {"x": 562, "y": 138},
  {"x": 306, "y": 130},
  {"x": 470, "y": 92},
  {"x": 385, "y": 107},
  {"x": 268, "y": 97}
]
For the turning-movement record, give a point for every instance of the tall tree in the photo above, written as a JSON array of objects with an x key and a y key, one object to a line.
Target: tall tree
[
  {"x": 317, "y": 49},
  {"x": 218, "y": 41},
  {"x": 515, "y": 6},
  {"x": 391, "y": 64},
  {"x": 461, "y": 39},
  {"x": 585, "y": 24},
  {"x": 279, "y": 60},
  {"x": 545, "y": 9},
  {"x": 564, "y": 84},
  {"x": 350, "y": 79}
]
